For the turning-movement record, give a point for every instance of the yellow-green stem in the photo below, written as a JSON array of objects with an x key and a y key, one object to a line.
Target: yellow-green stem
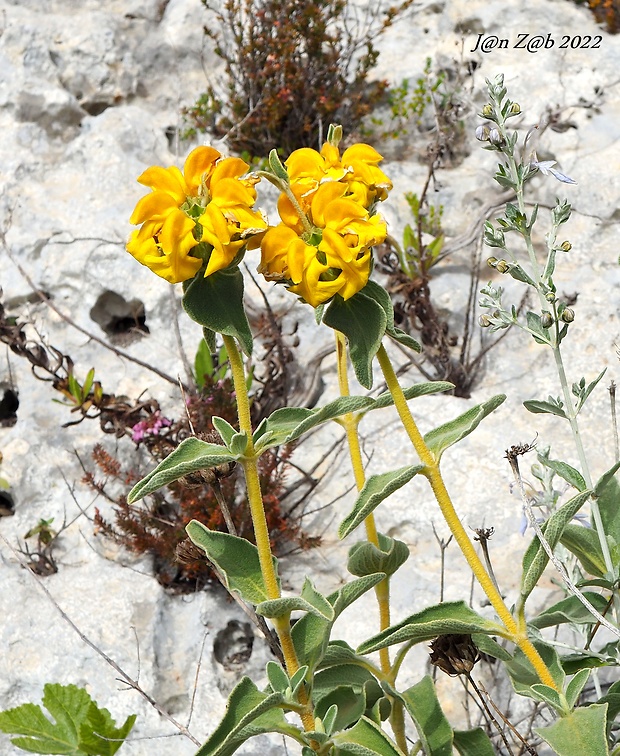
[
  {"x": 350, "y": 423},
  {"x": 517, "y": 634},
  {"x": 259, "y": 521}
]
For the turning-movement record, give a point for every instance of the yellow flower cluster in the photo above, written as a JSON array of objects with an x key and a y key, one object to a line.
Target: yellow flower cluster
[
  {"x": 201, "y": 214},
  {"x": 323, "y": 245}
]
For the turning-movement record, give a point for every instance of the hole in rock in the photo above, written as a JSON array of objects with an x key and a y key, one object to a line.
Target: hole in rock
[
  {"x": 95, "y": 107},
  {"x": 9, "y": 402},
  {"x": 233, "y": 644},
  {"x": 122, "y": 321},
  {"x": 7, "y": 505}
]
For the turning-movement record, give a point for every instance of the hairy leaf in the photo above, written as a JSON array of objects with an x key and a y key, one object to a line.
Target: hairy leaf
[{"x": 191, "y": 455}]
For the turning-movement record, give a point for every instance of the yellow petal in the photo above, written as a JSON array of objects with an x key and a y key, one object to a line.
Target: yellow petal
[
  {"x": 153, "y": 205},
  {"x": 230, "y": 167},
  {"x": 325, "y": 195},
  {"x": 169, "y": 180},
  {"x": 198, "y": 166}
]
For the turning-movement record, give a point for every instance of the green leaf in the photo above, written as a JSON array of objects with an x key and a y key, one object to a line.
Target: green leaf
[
  {"x": 366, "y": 738},
  {"x": 224, "y": 428},
  {"x": 439, "y": 439},
  {"x": 473, "y": 743},
  {"x": 541, "y": 408},
  {"x": 584, "y": 544},
  {"x": 523, "y": 675},
  {"x": 309, "y": 601},
  {"x": 581, "y": 732},
  {"x": 311, "y": 633},
  {"x": 551, "y": 697},
  {"x": 570, "y": 610},
  {"x": 575, "y": 686},
  {"x": 375, "y": 490},
  {"x": 249, "y": 712},
  {"x": 190, "y": 456},
  {"x": 68, "y": 705},
  {"x": 203, "y": 363},
  {"x": 487, "y": 645},
  {"x": 366, "y": 559},
  {"x": 88, "y": 383},
  {"x": 216, "y": 302},
  {"x": 380, "y": 295},
  {"x": 612, "y": 699},
  {"x": 564, "y": 470},
  {"x": 607, "y": 491},
  {"x": 99, "y": 736},
  {"x": 289, "y": 423},
  {"x": 425, "y": 710},
  {"x": 587, "y": 391},
  {"x": 278, "y": 679},
  {"x": 411, "y": 392},
  {"x": 451, "y": 617},
  {"x": 276, "y": 166},
  {"x": 535, "y": 558},
  {"x": 80, "y": 728},
  {"x": 363, "y": 321},
  {"x": 235, "y": 558},
  {"x": 350, "y": 705}
]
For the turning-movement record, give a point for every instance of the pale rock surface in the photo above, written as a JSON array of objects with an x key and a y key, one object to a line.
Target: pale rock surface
[{"x": 90, "y": 95}]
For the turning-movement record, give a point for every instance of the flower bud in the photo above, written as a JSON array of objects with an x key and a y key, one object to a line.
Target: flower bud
[
  {"x": 550, "y": 297},
  {"x": 496, "y": 138},
  {"x": 568, "y": 315},
  {"x": 492, "y": 262},
  {"x": 482, "y": 133},
  {"x": 484, "y": 321},
  {"x": 487, "y": 110},
  {"x": 502, "y": 266},
  {"x": 566, "y": 246},
  {"x": 546, "y": 319},
  {"x": 515, "y": 109}
]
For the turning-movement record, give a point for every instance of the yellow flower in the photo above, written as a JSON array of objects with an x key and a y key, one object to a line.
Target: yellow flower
[
  {"x": 208, "y": 204},
  {"x": 334, "y": 257}
]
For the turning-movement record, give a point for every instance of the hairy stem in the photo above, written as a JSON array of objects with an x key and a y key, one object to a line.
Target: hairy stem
[
  {"x": 350, "y": 423},
  {"x": 432, "y": 473},
  {"x": 261, "y": 531}
]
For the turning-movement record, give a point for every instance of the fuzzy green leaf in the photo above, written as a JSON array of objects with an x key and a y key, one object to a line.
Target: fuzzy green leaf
[
  {"x": 216, "y": 302},
  {"x": 367, "y": 559},
  {"x": 191, "y": 455},
  {"x": 523, "y": 675},
  {"x": 411, "y": 392},
  {"x": 564, "y": 470},
  {"x": 425, "y": 710},
  {"x": 363, "y": 321},
  {"x": 289, "y": 423},
  {"x": 581, "y": 732},
  {"x": 473, "y": 743},
  {"x": 366, "y": 738},
  {"x": 535, "y": 558},
  {"x": 235, "y": 558},
  {"x": 380, "y": 295},
  {"x": 439, "y": 439},
  {"x": 607, "y": 489},
  {"x": 311, "y": 633},
  {"x": 570, "y": 610},
  {"x": 310, "y": 601},
  {"x": 375, "y": 490},
  {"x": 541, "y": 408},
  {"x": 224, "y": 428},
  {"x": 575, "y": 686},
  {"x": 584, "y": 544},
  {"x": 451, "y": 617},
  {"x": 249, "y": 712},
  {"x": 278, "y": 679}
]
